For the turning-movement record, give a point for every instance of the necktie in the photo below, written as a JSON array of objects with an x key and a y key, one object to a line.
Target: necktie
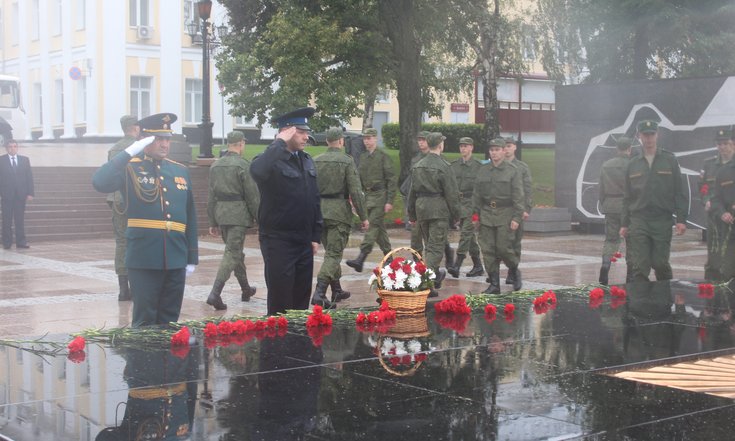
[{"x": 12, "y": 162}]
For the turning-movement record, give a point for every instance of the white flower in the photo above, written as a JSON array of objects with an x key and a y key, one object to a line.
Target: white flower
[
  {"x": 414, "y": 346},
  {"x": 430, "y": 274},
  {"x": 372, "y": 279},
  {"x": 387, "y": 283},
  {"x": 414, "y": 281},
  {"x": 400, "y": 278},
  {"x": 400, "y": 348},
  {"x": 387, "y": 346}
]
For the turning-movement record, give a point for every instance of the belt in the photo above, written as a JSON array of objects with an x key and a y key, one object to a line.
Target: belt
[
  {"x": 157, "y": 225},
  {"x": 465, "y": 194},
  {"x": 498, "y": 204},
  {"x": 377, "y": 187},
  {"x": 152, "y": 393},
  {"x": 333, "y": 196},
  {"x": 229, "y": 198},
  {"x": 428, "y": 194}
]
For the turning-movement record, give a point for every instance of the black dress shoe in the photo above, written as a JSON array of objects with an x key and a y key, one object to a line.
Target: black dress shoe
[{"x": 22, "y": 246}]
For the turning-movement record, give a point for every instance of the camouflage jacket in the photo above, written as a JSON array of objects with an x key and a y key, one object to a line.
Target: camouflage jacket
[
  {"x": 612, "y": 184},
  {"x": 465, "y": 173},
  {"x": 378, "y": 178},
  {"x": 337, "y": 180},
  {"x": 434, "y": 193},
  {"x": 498, "y": 195},
  {"x": 233, "y": 195}
]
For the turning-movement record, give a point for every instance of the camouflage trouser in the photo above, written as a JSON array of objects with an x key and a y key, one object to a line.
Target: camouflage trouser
[
  {"x": 496, "y": 244},
  {"x": 716, "y": 232},
  {"x": 649, "y": 246},
  {"x": 467, "y": 238},
  {"x": 376, "y": 232},
  {"x": 517, "y": 240},
  {"x": 417, "y": 241},
  {"x": 435, "y": 233},
  {"x": 234, "y": 259},
  {"x": 120, "y": 225},
  {"x": 334, "y": 240},
  {"x": 612, "y": 236}
]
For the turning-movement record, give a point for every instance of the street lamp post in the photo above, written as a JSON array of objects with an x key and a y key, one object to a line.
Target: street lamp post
[{"x": 205, "y": 147}]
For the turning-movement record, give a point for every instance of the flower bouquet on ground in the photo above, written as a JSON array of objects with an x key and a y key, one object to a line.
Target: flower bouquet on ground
[{"x": 403, "y": 283}]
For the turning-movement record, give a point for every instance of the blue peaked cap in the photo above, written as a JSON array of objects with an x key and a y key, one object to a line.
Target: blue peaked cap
[{"x": 298, "y": 118}]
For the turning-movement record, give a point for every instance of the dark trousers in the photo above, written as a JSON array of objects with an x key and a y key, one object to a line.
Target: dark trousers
[
  {"x": 157, "y": 295},
  {"x": 289, "y": 268},
  {"x": 13, "y": 213}
]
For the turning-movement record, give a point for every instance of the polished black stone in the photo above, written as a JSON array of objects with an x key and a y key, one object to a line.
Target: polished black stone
[{"x": 539, "y": 376}]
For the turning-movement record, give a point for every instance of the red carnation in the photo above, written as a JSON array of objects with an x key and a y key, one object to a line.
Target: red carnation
[
  {"x": 475, "y": 217},
  {"x": 210, "y": 330},
  {"x": 282, "y": 322},
  {"x": 613, "y": 259},
  {"x": 597, "y": 294},
  {"x": 457, "y": 322},
  {"x": 76, "y": 356},
  {"x": 618, "y": 255},
  {"x": 376, "y": 271},
  {"x": 420, "y": 268},
  {"x": 180, "y": 351},
  {"x": 455, "y": 304},
  {"x": 491, "y": 310},
  {"x": 509, "y": 317},
  {"x": 509, "y": 309},
  {"x": 706, "y": 290},
  {"x": 181, "y": 338},
  {"x": 406, "y": 268},
  {"x": 617, "y": 291},
  {"x": 225, "y": 328},
  {"x": 271, "y": 322},
  {"x": 77, "y": 345},
  {"x": 398, "y": 221},
  {"x": 704, "y": 190},
  {"x": 617, "y": 302}
]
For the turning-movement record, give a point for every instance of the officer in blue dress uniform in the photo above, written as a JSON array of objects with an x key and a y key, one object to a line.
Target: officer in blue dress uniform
[
  {"x": 162, "y": 230},
  {"x": 289, "y": 217}
]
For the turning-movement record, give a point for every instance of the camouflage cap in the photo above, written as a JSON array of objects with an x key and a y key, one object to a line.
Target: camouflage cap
[
  {"x": 724, "y": 134},
  {"x": 334, "y": 133},
  {"x": 127, "y": 121},
  {"x": 434, "y": 139},
  {"x": 497, "y": 142},
  {"x": 423, "y": 134},
  {"x": 624, "y": 143},
  {"x": 466, "y": 140},
  {"x": 369, "y": 131},
  {"x": 235, "y": 137},
  {"x": 647, "y": 126},
  {"x": 510, "y": 140}
]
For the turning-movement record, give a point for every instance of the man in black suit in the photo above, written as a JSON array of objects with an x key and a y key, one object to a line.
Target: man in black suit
[{"x": 16, "y": 188}]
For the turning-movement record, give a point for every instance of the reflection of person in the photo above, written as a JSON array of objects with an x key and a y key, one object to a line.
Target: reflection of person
[
  {"x": 432, "y": 202},
  {"x": 379, "y": 184},
  {"x": 525, "y": 171},
  {"x": 338, "y": 185},
  {"x": 654, "y": 192},
  {"x": 161, "y": 397},
  {"x": 16, "y": 188},
  {"x": 290, "y": 217},
  {"x": 231, "y": 208},
  {"x": 162, "y": 229},
  {"x": 131, "y": 129},
  {"x": 498, "y": 199},
  {"x": 715, "y": 227},
  {"x": 723, "y": 208},
  {"x": 465, "y": 169},
  {"x": 612, "y": 190}
]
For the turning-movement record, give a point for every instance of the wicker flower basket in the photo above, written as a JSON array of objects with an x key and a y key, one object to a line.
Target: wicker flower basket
[
  {"x": 399, "y": 370},
  {"x": 409, "y": 326},
  {"x": 404, "y": 302}
]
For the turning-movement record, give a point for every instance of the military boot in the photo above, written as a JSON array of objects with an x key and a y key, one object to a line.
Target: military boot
[
  {"x": 124, "y": 295},
  {"x": 454, "y": 269},
  {"x": 247, "y": 290},
  {"x": 215, "y": 296},
  {"x": 433, "y": 293},
  {"x": 517, "y": 282},
  {"x": 448, "y": 255},
  {"x": 476, "y": 267},
  {"x": 357, "y": 263},
  {"x": 440, "y": 275},
  {"x": 509, "y": 278},
  {"x": 494, "y": 287},
  {"x": 337, "y": 292},
  {"x": 320, "y": 295},
  {"x": 604, "y": 272}
]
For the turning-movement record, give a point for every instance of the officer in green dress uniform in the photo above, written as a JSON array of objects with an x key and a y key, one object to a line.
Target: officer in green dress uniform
[
  {"x": 232, "y": 208},
  {"x": 162, "y": 230},
  {"x": 654, "y": 191},
  {"x": 722, "y": 206},
  {"x": 465, "y": 170},
  {"x": 131, "y": 129},
  {"x": 378, "y": 180},
  {"x": 510, "y": 156},
  {"x": 499, "y": 200},
  {"x": 432, "y": 202},
  {"x": 338, "y": 184},
  {"x": 611, "y": 190},
  {"x": 715, "y": 226}
]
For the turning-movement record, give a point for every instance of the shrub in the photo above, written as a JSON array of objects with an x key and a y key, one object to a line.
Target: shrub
[{"x": 452, "y": 131}]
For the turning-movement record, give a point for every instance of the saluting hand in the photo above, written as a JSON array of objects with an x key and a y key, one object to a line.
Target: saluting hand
[
  {"x": 138, "y": 146},
  {"x": 286, "y": 134}
]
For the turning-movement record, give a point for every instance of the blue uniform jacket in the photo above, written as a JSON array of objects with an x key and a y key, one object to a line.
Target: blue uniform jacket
[
  {"x": 289, "y": 197},
  {"x": 162, "y": 227}
]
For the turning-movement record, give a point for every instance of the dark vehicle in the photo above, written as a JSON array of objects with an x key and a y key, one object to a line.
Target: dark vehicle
[{"x": 320, "y": 138}]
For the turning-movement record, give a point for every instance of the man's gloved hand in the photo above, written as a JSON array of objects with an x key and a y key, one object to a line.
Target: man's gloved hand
[
  {"x": 190, "y": 269},
  {"x": 138, "y": 146}
]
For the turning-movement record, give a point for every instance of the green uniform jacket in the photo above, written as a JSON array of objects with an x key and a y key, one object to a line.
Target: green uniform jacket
[
  {"x": 723, "y": 197},
  {"x": 336, "y": 178},
  {"x": 498, "y": 195},
  {"x": 119, "y": 146},
  {"x": 709, "y": 173},
  {"x": 378, "y": 178},
  {"x": 527, "y": 183},
  {"x": 233, "y": 195},
  {"x": 154, "y": 246},
  {"x": 465, "y": 173},
  {"x": 612, "y": 184},
  {"x": 406, "y": 186},
  {"x": 434, "y": 193},
  {"x": 654, "y": 191}
]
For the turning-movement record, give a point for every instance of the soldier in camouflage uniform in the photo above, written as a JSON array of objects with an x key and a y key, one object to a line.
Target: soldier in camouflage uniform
[
  {"x": 417, "y": 242},
  {"x": 433, "y": 201},
  {"x": 722, "y": 206},
  {"x": 499, "y": 200},
  {"x": 612, "y": 188},
  {"x": 338, "y": 183},
  {"x": 510, "y": 155},
  {"x": 131, "y": 129},
  {"x": 654, "y": 191},
  {"x": 378, "y": 180},
  {"x": 715, "y": 226},
  {"x": 465, "y": 169},
  {"x": 232, "y": 208}
]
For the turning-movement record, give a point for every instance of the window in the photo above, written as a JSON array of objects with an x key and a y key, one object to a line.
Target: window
[
  {"x": 55, "y": 16},
  {"x": 193, "y": 100},
  {"x": 38, "y": 107},
  {"x": 240, "y": 121},
  {"x": 139, "y": 13},
  {"x": 191, "y": 12},
  {"x": 529, "y": 46},
  {"x": 81, "y": 100},
  {"x": 80, "y": 19},
  {"x": 34, "y": 20},
  {"x": 140, "y": 96},
  {"x": 459, "y": 118},
  {"x": 59, "y": 101},
  {"x": 383, "y": 96}
]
